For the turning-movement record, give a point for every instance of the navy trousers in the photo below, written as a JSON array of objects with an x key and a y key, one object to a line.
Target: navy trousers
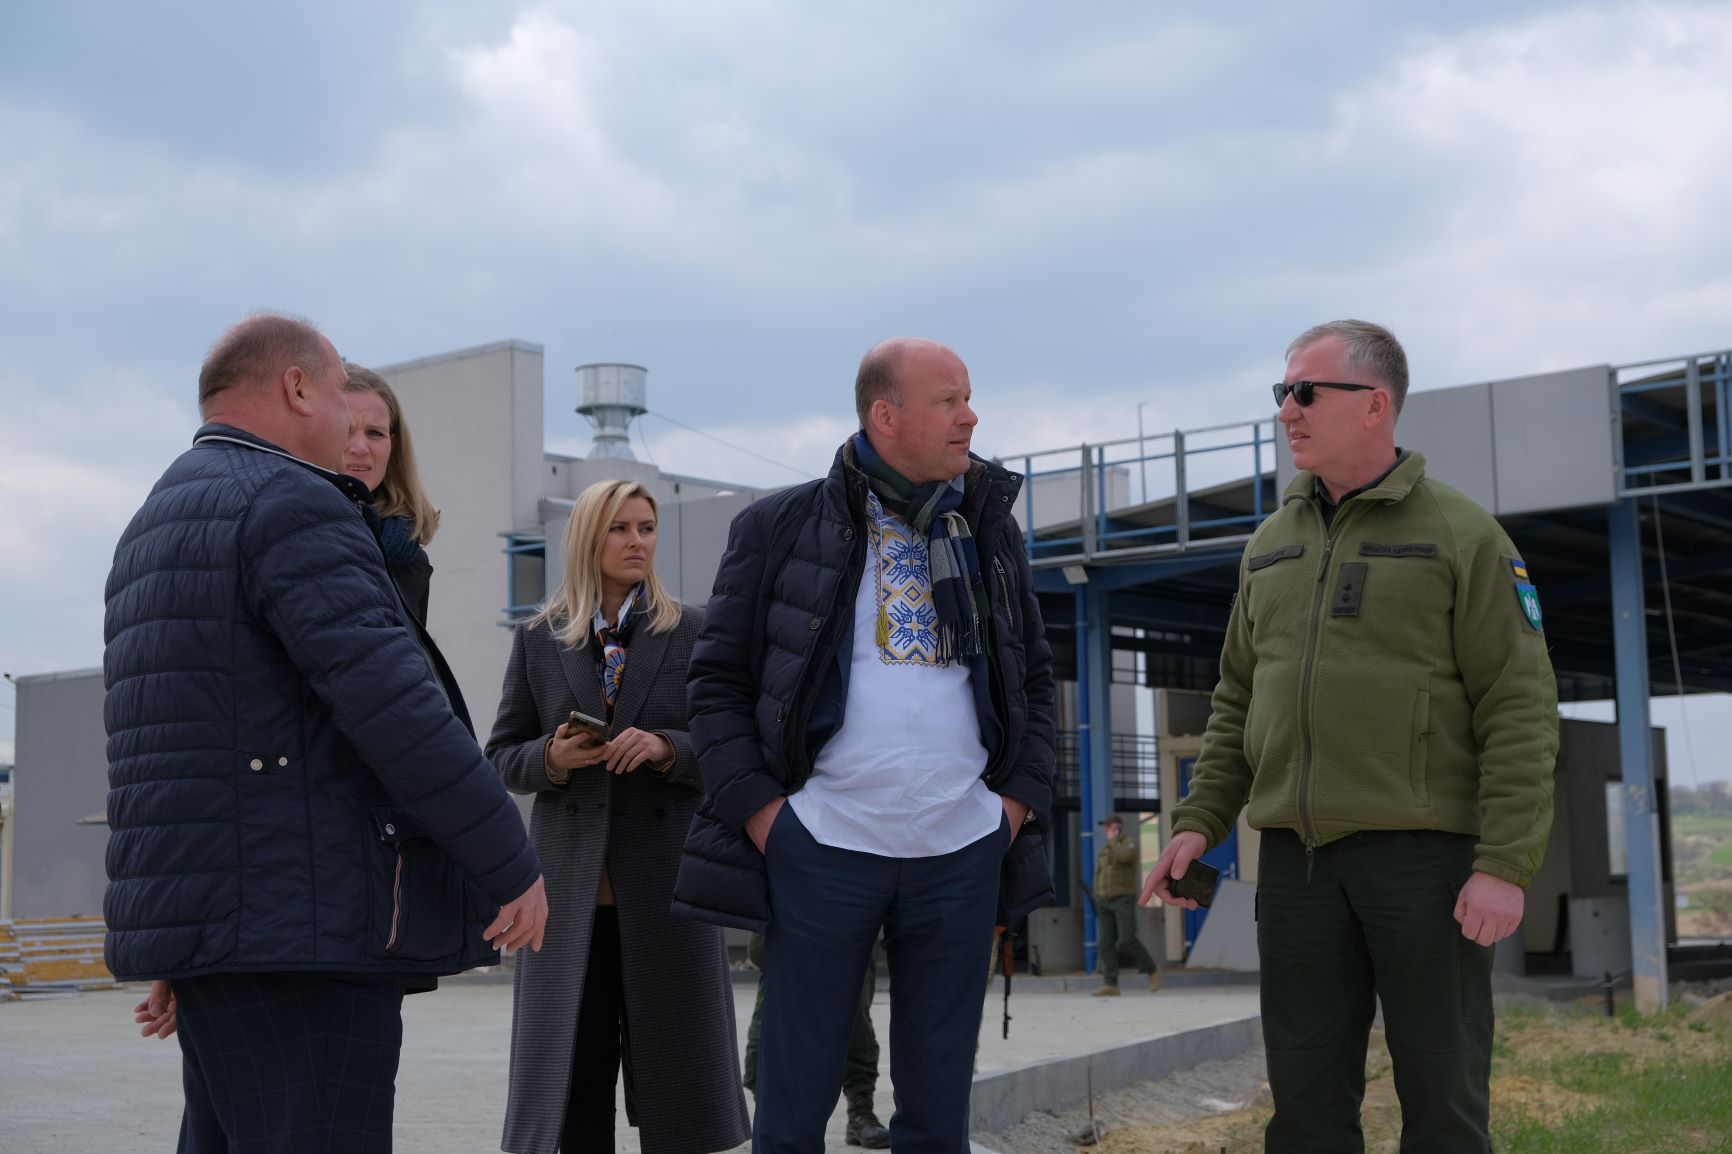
[
  {"x": 827, "y": 906},
  {"x": 288, "y": 1063}
]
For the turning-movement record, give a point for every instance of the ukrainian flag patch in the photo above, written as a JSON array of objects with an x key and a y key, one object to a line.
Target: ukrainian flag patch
[{"x": 1526, "y": 594}]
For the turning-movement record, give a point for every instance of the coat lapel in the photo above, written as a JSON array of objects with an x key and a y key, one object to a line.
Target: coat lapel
[
  {"x": 579, "y": 667},
  {"x": 642, "y": 661}
]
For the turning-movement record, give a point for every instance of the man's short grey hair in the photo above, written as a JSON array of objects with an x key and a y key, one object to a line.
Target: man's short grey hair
[
  {"x": 876, "y": 381},
  {"x": 1370, "y": 347},
  {"x": 257, "y": 348}
]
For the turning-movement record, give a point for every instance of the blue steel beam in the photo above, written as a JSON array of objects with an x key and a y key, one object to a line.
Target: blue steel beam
[
  {"x": 1085, "y": 775},
  {"x": 1098, "y": 801},
  {"x": 1635, "y": 748},
  {"x": 1140, "y": 572}
]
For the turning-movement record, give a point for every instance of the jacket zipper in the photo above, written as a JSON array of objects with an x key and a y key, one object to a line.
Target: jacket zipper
[
  {"x": 1004, "y": 590},
  {"x": 396, "y": 902},
  {"x": 1306, "y": 831},
  {"x": 815, "y": 672}
]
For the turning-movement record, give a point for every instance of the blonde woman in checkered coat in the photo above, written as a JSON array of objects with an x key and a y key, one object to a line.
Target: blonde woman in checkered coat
[{"x": 620, "y": 983}]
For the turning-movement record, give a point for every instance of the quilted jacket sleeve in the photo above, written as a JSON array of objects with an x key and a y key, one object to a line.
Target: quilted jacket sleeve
[
  {"x": 722, "y": 687},
  {"x": 1030, "y": 780},
  {"x": 314, "y": 574}
]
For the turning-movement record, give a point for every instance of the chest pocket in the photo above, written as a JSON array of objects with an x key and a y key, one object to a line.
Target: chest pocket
[
  {"x": 1275, "y": 583},
  {"x": 1394, "y": 573}
]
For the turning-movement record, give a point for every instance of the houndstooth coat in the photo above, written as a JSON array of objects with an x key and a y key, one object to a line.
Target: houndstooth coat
[{"x": 684, "y": 1072}]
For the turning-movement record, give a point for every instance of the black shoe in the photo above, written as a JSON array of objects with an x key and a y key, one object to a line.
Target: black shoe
[{"x": 864, "y": 1128}]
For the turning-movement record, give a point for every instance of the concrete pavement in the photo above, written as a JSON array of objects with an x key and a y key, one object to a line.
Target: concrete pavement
[{"x": 76, "y": 1079}]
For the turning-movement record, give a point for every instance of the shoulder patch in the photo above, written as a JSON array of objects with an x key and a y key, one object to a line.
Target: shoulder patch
[{"x": 1526, "y": 595}]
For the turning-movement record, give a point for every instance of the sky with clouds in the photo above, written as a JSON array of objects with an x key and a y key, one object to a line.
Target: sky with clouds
[{"x": 1097, "y": 205}]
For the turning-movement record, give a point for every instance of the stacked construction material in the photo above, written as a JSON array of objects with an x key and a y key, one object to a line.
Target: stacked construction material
[{"x": 52, "y": 957}]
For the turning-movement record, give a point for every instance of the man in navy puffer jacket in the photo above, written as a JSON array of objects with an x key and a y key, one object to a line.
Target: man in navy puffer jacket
[
  {"x": 299, "y": 825},
  {"x": 872, "y": 705}
]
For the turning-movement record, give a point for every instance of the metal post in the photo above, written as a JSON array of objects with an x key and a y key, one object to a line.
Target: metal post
[
  {"x": 1028, "y": 507},
  {"x": 1142, "y": 456},
  {"x": 1181, "y": 498},
  {"x": 1100, "y": 653},
  {"x": 1257, "y": 470},
  {"x": 1693, "y": 415},
  {"x": 1085, "y": 775},
  {"x": 1102, "y": 798},
  {"x": 1722, "y": 395},
  {"x": 1635, "y": 749},
  {"x": 8, "y": 819},
  {"x": 1086, "y": 504}
]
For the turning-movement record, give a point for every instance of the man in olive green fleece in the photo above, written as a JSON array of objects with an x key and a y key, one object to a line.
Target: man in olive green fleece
[
  {"x": 1115, "y": 899},
  {"x": 1387, "y": 709}
]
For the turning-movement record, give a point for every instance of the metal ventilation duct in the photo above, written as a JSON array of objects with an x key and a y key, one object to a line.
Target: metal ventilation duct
[{"x": 611, "y": 396}]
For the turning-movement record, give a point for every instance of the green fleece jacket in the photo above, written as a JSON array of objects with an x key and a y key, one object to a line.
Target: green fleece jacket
[
  {"x": 1116, "y": 869},
  {"x": 1386, "y": 671}
]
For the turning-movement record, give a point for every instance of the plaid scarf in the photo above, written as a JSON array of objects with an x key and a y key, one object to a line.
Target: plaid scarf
[{"x": 958, "y": 591}]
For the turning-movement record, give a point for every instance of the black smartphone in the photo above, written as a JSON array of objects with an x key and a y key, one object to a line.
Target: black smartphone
[
  {"x": 1198, "y": 884},
  {"x": 584, "y": 723}
]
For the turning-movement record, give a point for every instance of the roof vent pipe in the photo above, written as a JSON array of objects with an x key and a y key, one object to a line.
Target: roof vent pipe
[{"x": 611, "y": 396}]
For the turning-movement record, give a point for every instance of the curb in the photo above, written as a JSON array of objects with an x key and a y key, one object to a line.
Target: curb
[{"x": 1003, "y": 1098}]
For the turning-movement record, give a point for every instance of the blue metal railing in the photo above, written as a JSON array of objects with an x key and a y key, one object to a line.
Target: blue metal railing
[
  {"x": 1136, "y": 770},
  {"x": 1094, "y": 492},
  {"x": 522, "y": 545},
  {"x": 1689, "y": 401}
]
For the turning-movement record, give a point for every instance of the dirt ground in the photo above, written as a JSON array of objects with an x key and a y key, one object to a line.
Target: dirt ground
[
  {"x": 1222, "y": 1107},
  {"x": 1709, "y": 914}
]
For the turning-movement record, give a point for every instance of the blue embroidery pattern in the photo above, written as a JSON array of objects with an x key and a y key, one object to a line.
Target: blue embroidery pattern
[
  {"x": 915, "y": 629},
  {"x": 907, "y": 562},
  {"x": 901, "y": 568}
]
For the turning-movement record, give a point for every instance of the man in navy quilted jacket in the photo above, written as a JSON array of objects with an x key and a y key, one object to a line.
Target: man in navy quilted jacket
[
  {"x": 300, "y": 827},
  {"x": 872, "y": 705}
]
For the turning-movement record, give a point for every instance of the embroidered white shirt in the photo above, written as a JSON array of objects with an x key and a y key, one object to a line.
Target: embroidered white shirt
[{"x": 901, "y": 777}]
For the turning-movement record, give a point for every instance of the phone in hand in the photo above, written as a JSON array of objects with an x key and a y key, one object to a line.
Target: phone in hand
[
  {"x": 1198, "y": 884},
  {"x": 584, "y": 723}
]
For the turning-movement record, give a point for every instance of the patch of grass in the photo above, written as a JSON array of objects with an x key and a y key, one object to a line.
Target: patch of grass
[
  {"x": 1659, "y": 1110},
  {"x": 1650, "y": 1092}
]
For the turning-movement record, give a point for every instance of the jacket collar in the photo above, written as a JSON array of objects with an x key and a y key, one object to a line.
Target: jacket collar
[
  {"x": 228, "y": 434},
  {"x": 984, "y": 487},
  {"x": 1393, "y": 488}
]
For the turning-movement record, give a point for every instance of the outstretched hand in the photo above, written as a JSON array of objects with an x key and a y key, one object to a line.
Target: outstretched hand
[{"x": 1181, "y": 850}]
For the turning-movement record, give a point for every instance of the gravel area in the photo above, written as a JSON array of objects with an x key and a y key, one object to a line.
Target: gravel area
[{"x": 1208, "y": 1089}]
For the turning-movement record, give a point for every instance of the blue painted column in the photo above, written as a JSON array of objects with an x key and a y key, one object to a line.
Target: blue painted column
[
  {"x": 1085, "y": 775},
  {"x": 1100, "y": 716},
  {"x": 1636, "y": 753},
  {"x": 1099, "y": 799}
]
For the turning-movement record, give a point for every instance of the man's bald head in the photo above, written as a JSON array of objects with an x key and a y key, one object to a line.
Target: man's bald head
[
  {"x": 256, "y": 351},
  {"x": 881, "y": 371}
]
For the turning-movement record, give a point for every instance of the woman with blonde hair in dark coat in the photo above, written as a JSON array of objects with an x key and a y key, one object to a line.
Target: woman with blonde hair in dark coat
[{"x": 618, "y": 976}]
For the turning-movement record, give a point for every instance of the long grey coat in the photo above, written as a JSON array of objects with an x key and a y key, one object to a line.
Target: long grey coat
[{"x": 684, "y": 1064}]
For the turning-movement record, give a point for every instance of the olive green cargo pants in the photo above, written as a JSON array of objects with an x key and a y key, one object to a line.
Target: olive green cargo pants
[{"x": 1372, "y": 917}]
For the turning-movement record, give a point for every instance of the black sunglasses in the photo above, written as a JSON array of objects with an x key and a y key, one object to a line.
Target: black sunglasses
[{"x": 1306, "y": 391}]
